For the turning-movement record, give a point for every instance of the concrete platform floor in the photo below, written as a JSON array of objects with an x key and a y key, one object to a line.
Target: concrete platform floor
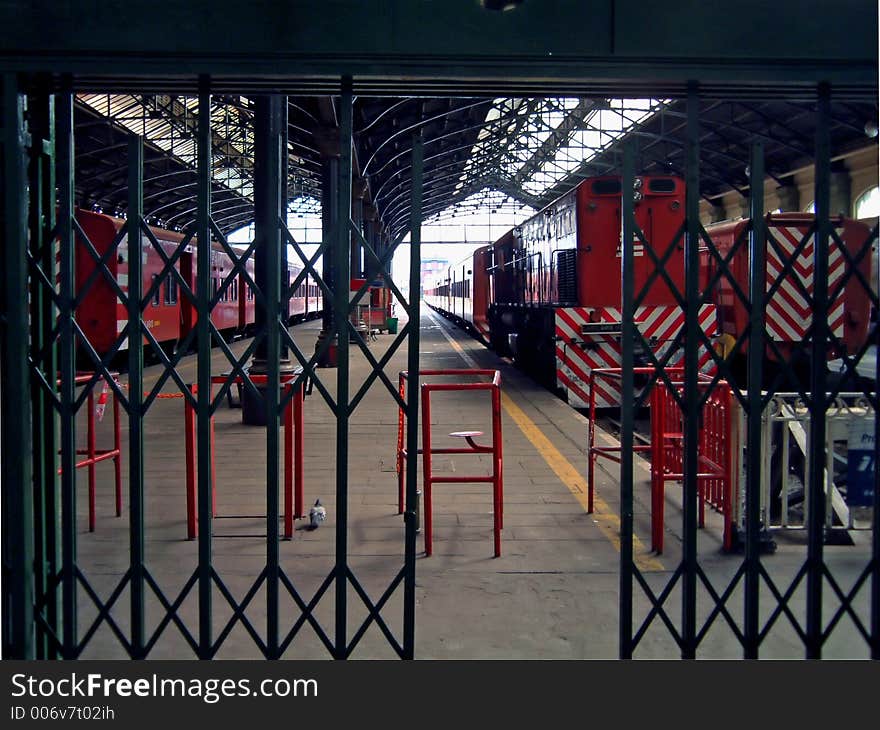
[{"x": 552, "y": 594}]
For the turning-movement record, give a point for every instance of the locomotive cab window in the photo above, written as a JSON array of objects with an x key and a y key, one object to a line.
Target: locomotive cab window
[
  {"x": 157, "y": 295},
  {"x": 661, "y": 185},
  {"x": 606, "y": 187}
]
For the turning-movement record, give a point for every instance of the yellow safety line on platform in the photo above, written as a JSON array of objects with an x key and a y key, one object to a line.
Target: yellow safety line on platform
[{"x": 606, "y": 519}]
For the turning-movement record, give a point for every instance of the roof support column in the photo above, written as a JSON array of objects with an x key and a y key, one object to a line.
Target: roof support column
[
  {"x": 788, "y": 197},
  {"x": 359, "y": 190},
  {"x": 327, "y": 140}
]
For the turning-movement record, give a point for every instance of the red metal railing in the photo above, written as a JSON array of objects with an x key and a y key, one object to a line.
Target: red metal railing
[
  {"x": 293, "y": 454},
  {"x": 666, "y": 448},
  {"x": 714, "y": 455},
  {"x": 496, "y": 479},
  {"x": 95, "y": 455},
  {"x": 611, "y": 453}
]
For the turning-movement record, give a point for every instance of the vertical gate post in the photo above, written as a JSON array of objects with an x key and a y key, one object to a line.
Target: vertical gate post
[
  {"x": 691, "y": 372},
  {"x": 757, "y": 286},
  {"x": 41, "y": 175},
  {"x": 815, "y": 477},
  {"x": 875, "y": 537},
  {"x": 67, "y": 366},
  {"x": 203, "y": 403},
  {"x": 627, "y": 387},
  {"x": 268, "y": 268},
  {"x": 285, "y": 282},
  {"x": 340, "y": 256},
  {"x": 18, "y": 598},
  {"x": 135, "y": 390},
  {"x": 412, "y": 398}
]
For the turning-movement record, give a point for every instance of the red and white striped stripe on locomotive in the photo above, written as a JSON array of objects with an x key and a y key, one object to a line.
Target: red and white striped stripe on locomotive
[
  {"x": 169, "y": 316},
  {"x": 659, "y": 325},
  {"x": 548, "y": 292},
  {"x": 788, "y": 310}
]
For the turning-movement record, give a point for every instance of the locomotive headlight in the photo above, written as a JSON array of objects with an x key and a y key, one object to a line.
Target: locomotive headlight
[
  {"x": 637, "y": 196},
  {"x": 637, "y": 183}
]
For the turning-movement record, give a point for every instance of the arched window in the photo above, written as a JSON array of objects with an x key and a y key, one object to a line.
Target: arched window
[{"x": 867, "y": 205}]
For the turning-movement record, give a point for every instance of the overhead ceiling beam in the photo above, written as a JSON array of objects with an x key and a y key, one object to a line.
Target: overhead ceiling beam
[{"x": 405, "y": 47}]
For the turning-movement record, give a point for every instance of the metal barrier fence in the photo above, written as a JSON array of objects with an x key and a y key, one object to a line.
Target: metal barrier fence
[
  {"x": 665, "y": 448},
  {"x": 848, "y": 456},
  {"x": 713, "y": 453},
  {"x": 612, "y": 453},
  {"x": 93, "y": 454}
]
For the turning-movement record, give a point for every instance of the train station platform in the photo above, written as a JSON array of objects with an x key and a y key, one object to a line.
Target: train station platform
[{"x": 552, "y": 594}]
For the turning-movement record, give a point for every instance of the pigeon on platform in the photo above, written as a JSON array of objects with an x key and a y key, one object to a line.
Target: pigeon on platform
[{"x": 317, "y": 514}]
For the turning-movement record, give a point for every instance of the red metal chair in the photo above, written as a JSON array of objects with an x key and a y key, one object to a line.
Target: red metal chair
[{"x": 496, "y": 479}]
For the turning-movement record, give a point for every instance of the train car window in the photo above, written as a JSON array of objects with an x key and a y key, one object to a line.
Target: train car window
[
  {"x": 157, "y": 293},
  {"x": 661, "y": 185},
  {"x": 606, "y": 187},
  {"x": 170, "y": 290}
]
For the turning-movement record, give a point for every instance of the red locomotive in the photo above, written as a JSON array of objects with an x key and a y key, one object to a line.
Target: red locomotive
[
  {"x": 169, "y": 316},
  {"x": 548, "y": 292}
]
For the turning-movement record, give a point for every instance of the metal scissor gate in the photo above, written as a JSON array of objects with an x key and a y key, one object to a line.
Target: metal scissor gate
[
  {"x": 43, "y": 580},
  {"x": 42, "y": 575},
  {"x": 749, "y": 603}
]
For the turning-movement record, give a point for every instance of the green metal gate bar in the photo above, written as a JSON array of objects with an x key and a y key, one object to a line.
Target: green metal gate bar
[
  {"x": 135, "y": 392},
  {"x": 268, "y": 268},
  {"x": 203, "y": 338},
  {"x": 757, "y": 279},
  {"x": 340, "y": 308},
  {"x": 18, "y": 638},
  {"x": 68, "y": 373},
  {"x": 691, "y": 372},
  {"x": 816, "y": 480},
  {"x": 412, "y": 398},
  {"x": 43, "y": 273},
  {"x": 627, "y": 405}
]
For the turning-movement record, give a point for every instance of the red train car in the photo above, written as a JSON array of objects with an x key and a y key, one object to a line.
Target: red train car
[
  {"x": 788, "y": 311},
  {"x": 169, "y": 315},
  {"x": 464, "y": 292}
]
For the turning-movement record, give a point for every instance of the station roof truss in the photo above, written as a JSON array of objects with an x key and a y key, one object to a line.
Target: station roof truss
[{"x": 518, "y": 153}]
